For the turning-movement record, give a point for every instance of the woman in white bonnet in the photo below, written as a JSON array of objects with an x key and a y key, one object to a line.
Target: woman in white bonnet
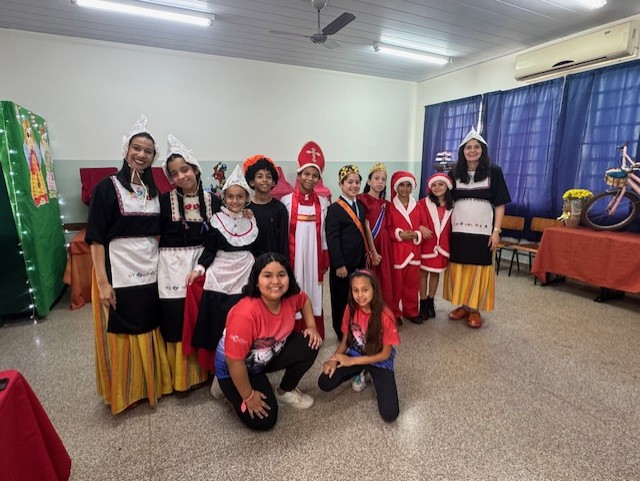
[
  {"x": 123, "y": 228},
  {"x": 480, "y": 194}
]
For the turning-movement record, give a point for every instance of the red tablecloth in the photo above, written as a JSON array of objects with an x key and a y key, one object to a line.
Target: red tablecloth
[
  {"x": 78, "y": 271},
  {"x": 603, "y": 259},
  {"x": 30, "y": 448}
]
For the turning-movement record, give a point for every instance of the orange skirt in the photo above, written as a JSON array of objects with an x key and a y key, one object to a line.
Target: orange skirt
[
  {"x": 129, "y": 367},
  {"x": 470, "y": 285}
]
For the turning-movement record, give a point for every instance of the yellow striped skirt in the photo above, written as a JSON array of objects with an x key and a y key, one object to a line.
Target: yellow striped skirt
[
  {"x": 470, "y": 285},
  {"x": 185, "y": 370},
  {"x": 129, "y": 367}
]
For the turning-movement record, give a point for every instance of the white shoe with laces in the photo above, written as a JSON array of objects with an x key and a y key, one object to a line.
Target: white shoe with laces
[
  {"x": 215, "y": 390},
  {"x": 360, "y": 381},
  {"x": 296, "y": 399}
]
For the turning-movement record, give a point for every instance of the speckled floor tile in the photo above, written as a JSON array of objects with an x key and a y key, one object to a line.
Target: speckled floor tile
[{"x": 546, "y": 390}]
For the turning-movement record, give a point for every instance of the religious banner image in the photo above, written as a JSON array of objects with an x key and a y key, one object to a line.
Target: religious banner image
[{"x": 32, "y": 197}]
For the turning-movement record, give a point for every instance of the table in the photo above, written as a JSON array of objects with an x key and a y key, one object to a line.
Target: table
[
  {"x": 30, "y": 448},
  {"x": 610, "y": 260},
  {"x": 78, "y": 271}
]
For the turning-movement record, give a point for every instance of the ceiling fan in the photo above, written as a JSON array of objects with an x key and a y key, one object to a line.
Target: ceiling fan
[{"x": 321, "y": 36}]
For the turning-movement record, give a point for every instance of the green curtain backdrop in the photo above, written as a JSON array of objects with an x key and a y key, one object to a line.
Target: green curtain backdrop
[{"x": 31, "y": 194}]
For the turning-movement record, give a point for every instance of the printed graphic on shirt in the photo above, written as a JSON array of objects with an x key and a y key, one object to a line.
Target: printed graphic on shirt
[{"x": 357, "y": 345}]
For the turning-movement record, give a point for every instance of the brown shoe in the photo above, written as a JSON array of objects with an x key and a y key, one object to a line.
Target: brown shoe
[
  {"x": 474, "y": 320},
  {"x": 458, "y": 314}
]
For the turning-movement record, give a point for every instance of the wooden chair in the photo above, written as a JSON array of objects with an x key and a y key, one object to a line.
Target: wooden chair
[
  {"x": 538, "y": 225},
  {"x": 510, "y": 223}
]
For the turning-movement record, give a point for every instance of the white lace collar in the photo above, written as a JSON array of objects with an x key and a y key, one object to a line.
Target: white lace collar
[{"x": 236, "y": 229}]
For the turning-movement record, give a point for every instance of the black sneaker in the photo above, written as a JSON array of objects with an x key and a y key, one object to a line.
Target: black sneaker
[{"x": 416, "y": 320}]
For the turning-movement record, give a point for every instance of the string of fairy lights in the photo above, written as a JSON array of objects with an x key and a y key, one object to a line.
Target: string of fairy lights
[{"x": 16, "y": 199}]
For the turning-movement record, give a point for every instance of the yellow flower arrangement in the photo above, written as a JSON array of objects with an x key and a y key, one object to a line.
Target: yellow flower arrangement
[
  {"x": 577, "y": 194},
  {"x": 573, "y": 195}
]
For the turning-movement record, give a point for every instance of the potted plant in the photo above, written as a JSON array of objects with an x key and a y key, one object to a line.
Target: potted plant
[{"x": 573, "y": 199}]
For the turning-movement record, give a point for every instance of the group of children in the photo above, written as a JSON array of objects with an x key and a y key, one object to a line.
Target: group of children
[{"x": 384, "y": 259}]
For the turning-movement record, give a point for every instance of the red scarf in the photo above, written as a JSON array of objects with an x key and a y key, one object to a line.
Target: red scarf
[{"x": 299, "y": 198}]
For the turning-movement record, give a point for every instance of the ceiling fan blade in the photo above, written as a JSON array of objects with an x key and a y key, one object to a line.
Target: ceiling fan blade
[
  {"x": 339, "y": 23},
  {"x": 329, "y": 43},
  {"x": 288, "y": 34}
]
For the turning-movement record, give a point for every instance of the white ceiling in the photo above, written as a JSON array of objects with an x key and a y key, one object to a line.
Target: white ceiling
[{"x": 469, "y": 31}]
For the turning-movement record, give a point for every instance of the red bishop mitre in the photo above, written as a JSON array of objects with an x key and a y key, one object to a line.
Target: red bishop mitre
[{"x": 311, "y": 156}]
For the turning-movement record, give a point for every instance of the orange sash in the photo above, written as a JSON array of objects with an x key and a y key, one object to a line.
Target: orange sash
[{"x": 356, "y": 221}]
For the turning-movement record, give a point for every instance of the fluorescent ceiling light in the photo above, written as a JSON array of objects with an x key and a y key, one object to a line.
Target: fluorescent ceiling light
[
  {"x": 145, "y": 12},
  {"x": 592, "y": 4},
  {"x": 410, "y": 53}
]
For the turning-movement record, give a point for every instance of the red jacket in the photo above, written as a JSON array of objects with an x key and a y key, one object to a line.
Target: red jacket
[
  {"x": 401, "y": 219},
  {"x": 438, "y": 244}
]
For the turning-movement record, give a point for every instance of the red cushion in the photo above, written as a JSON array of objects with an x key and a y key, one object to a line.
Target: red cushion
[
  {"x": 89, "y": 178},
  {"x": 162, "y": 183},
  {"x": 283, "y": 187}
]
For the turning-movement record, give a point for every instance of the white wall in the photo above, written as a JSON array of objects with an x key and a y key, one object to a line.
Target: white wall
[{"x": 225, "y": 109}]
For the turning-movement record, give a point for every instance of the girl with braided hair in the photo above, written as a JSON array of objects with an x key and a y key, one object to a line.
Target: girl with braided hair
[{"x": 184, "y": 212}]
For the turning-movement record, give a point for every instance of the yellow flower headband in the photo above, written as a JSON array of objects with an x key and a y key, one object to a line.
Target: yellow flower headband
[
  {"x": 377, "y": 167},
  {"x": 346, "y": 171}
]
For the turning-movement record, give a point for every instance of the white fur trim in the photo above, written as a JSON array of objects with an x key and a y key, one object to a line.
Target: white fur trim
[
  {"x": 406, "y": 178},
  {"x": 405, "y": 263}
]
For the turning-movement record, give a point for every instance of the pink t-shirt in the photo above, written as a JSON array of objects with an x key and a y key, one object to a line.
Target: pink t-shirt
[
  {"x": 255, "y": 334},
  {"x": 359, "y": 326}
]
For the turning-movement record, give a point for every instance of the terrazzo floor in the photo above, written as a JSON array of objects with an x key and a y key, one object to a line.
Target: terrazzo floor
[{"x": 548, "y": 389}]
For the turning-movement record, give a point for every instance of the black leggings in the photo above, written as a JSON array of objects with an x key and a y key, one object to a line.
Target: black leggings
[
  {"x": 296, "y": 357},
  {"x": 384, "y": 382}
]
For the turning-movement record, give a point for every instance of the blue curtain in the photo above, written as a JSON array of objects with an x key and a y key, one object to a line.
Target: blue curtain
[
  {"x": 548, "y": 137},
  {"x": 600, "y": 111},
  {"x": 445, "y": 125},
  {"x": 520, "y": 130}
]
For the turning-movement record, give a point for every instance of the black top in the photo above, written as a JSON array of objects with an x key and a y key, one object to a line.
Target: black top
[
  {"x": 137, "y": 308},
  {"x": 344, "y": 240},
  {"x": 182, "y": 234},
  {"x": 273, "y": 227},
  {"x": 107, "y": 221},
  {"x": 467, "y": 248}
]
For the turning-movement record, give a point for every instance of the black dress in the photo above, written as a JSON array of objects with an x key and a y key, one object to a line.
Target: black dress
[
  {"x": 181, "y": 244},
  {"x": 228, "y": 258},
  {"x": 127, "y": 225}
]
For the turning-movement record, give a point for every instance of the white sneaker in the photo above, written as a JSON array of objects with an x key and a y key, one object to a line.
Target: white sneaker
[
  {"x": 359, "y": 382},
  {"x": 296, "y": 399},
  {"x": 215, "y": 390}
]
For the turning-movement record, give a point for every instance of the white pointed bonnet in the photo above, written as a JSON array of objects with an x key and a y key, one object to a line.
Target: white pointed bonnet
[
  {"x": 237, "y": 178},
  {"x": 140, "y": 127},
  {"x": 473, "y": 135},
  {"x": 174, "y": 146}
]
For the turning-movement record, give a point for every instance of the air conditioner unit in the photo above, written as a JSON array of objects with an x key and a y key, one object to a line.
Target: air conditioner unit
[{"x": 611, "y": 43}]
